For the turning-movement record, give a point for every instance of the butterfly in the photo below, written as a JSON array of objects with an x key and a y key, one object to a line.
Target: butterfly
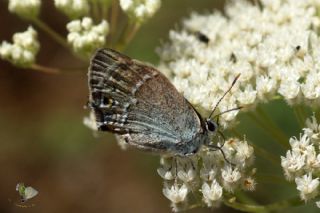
[
  {"x": 140, "y": 105},
  {"x": 25, "y": 193}
]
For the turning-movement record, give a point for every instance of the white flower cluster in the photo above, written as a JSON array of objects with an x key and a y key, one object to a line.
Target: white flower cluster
[
  {"x": 140, "y": 9},
  {"x": 274, "y": 46},
  {"x": 302, "y": 162},
  {"x": 207, "y": 175},
  {"x": 26, "y": 8},
  {"x": 86, "y": 37},
  {"x": 73, "y": 8},
  {"x": 24, "y": 49}
]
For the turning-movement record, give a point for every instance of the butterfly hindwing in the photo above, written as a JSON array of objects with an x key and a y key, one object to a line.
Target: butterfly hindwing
[{"x": 139, "y": 103}]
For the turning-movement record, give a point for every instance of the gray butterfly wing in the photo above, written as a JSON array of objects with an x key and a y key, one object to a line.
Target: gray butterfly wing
[{"x": 137, "y": 102}]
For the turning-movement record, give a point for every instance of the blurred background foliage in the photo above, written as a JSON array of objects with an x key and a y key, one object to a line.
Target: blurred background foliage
[{"x": 44, "y": 143}]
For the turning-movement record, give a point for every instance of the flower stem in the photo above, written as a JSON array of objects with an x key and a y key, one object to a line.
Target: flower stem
[
  {"x": 54, "y": 71},
  {"x": 277, "y": 206},
  {"x": 128, "y": 35},
  {"x": 244, "y": 207},
  {"x": 295, "y": 201},
  {"x": 300, "y": 115},
  {"x": 57, "y": 37},
  {"x": 243, "y": 197},
  {"x": 113, "y": 21},
  {"x": 270, "y": 127},
  {"x": 317, "y": 114},
  {"x": 95, "y": 10},
  {"x": 105, "y": 8}
]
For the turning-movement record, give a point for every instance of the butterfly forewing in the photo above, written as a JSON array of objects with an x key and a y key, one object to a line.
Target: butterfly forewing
[{"x": 139, "y": 103}]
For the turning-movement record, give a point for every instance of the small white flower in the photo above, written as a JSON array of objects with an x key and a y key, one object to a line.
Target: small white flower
[
  {"x": 167, "y": 170},
  {"x": 265, "y": 87},
  {"x": 244, "y": 154},
  {"x": 238, "y": 152},
  {"x": 289, "y": 88},
  {"x": 73, "y": 8},
  {"x": 312, "y": 161},
  {"x": 300, "y": 146},
  {"x": 208, "y": 174},
  {"x": 24, "y": 49},
  {"x": 313, "y": 129},
  {"x": 25, "y": 8},
  {"x": 249, "y": 184},
  {"x": 230, "y": 177},
  {"x": 176, "y": 193},
  {"x": 247, "y": 97},
  {"x": 311, "y": 87},
  {"x": 211, "y": 162},
  {"x": 85, "y": 37},
  {"x": 187, "y": 168},
  {"x": 307, "y": 186},
  {"x": 292, "y": 164},
  {"x": 211, "y": 192},
  {"x": 318, "y": 204},
  {"x": 140, "y": 9}
]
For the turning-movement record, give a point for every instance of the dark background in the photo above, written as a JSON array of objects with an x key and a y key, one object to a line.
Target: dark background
[{"x": 43, "y": 142}]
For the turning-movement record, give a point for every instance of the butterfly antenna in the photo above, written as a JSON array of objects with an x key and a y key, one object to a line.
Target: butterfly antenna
[
  {"x": 233, "y": 83},
  {"x": 229, "y": 110}
]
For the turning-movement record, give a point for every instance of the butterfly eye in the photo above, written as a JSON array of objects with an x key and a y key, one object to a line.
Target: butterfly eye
[{"x": 212, "y": 126}]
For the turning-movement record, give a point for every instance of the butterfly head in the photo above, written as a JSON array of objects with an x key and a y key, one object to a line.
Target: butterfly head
[{"x": 212, "y": 126}]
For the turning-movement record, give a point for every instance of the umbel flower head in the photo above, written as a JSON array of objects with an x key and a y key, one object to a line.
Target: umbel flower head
[
  {"x": 302, "y": 161},
  {"x": 273, "y": 46},
  {"x": 85, "y": 37},
  {"x": 73, "y": 8},
  {"x": 208, "y": 175},
  {"x": 22, "y": 52},
  {"x": 26, "y": 8},
  {"x": 140, "y": 10}
]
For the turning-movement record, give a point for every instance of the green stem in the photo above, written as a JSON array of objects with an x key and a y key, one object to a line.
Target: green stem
[
  {"x": 271, "y": 129},
  {"x": 127, "y": 36},
  {"x": 244, "y": 198},
  {"x": 95, "y": 10},
  {"x": 113, "y": 21},
  {"x": 57, "y": 37},
  {"x": 295, "y": 201},
  {"x": 244, "y": 207},
  {"x": 300, "y": 115},
  {"x": 105, "y": 8},
  {"x": 317, "y": 115},
  {"x": 277, "y": 206}
]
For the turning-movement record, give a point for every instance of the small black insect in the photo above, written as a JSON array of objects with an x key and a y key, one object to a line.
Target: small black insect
[
  {"x": 202, "y": 37},
  {"x": 233, "y": 58}
]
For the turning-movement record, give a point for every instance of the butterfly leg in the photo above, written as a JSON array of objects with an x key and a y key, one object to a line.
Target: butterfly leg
[{"x": 216, "y": 148}]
